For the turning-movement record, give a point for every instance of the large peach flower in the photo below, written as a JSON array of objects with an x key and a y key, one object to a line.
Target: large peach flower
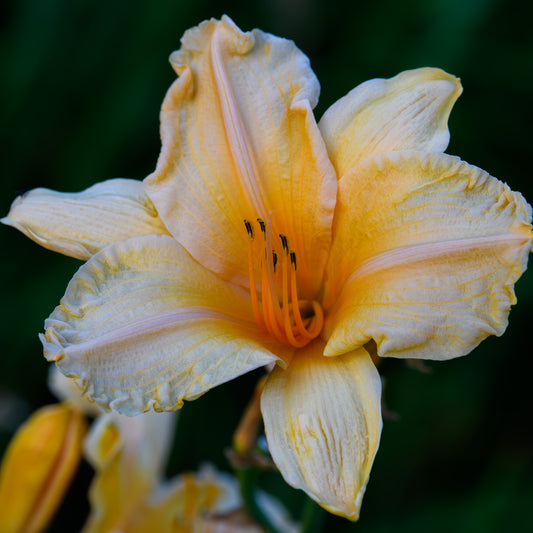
[{"x": 265, "y": 237}]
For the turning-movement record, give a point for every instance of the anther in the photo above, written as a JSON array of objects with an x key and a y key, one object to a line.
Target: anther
[
  {"x": 293, "y": 259},
  {"x": 262, "y": 225},
  {"x": 274, "y": 259},
  {"x": 284, "y": 243},
  {"x": 249, "y": 228}
]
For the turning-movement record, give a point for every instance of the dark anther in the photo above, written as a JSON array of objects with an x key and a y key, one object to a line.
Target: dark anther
[
  {"x": 293, "y": 259},
  {"x": 284, "y": 243},
  {"x": 274, "y": 259},
  {"x": 249, "y": 228},
  {"x": 262, "y": 224}
]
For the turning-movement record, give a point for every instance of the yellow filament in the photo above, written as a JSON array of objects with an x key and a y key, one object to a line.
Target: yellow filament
[
  {"x": 270, "y": 268},
  {"x": 253, "y": 290},
  {"x": 318, "y": 320},
  {"x": 267, "y": 301},
  {"x": 296, "y": 308},
  {"x": 285, "y": 306}
]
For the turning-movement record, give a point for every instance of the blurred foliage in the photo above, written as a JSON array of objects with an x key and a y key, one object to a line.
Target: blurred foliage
[{"x": 82, "y": 82}]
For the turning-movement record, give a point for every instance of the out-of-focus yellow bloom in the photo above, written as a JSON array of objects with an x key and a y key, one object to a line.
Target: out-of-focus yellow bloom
[
  {"x": 264, "y": 237},
  {"x": 128, "y": 493},
  {"x": 38, "y": 467},
  {"x": 128, "y": 455}
]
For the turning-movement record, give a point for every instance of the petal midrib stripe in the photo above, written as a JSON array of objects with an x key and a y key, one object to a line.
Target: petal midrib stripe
[
  {"x": 430, "y": 250},
  {"x": 157, "y": 323}
]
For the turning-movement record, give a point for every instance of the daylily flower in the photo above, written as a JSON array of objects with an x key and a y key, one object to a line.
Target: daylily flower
[{"x": 265, "y": 237}]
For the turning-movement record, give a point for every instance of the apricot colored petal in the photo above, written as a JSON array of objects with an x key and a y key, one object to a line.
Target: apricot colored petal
[
  {"x": 409, "y": 111},
  {"x": 323, "y": 423},
  {"x": 142, "y": 325},
  {"x": 38, "y": 467},
  {"x": 79, "y": 224},
  {"x": 239, "y": 141},
  {"x": 426, "y": 251},
  {"x": 128, "y": 454}
]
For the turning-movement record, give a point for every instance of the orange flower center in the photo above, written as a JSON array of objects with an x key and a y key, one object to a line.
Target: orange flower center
[{"x": 277, "y": 310}]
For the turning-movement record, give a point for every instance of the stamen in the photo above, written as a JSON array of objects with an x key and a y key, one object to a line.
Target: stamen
[
  {"x": 274, "y": 259},
  {"x": 285, "y": 305},
  {"x": 270, "y": 268},
  {"x": 284, "y": 243},
  {"x": 251, "y": 274},
  {"x": 249, "y": 229},
  {"x": 318, "y": 320},
  {"x": 268, "y": 303},
  {"x": 282, "y": 320},
  {"x": 294, "y": 301},
  {"x": 293, "y": 260}
]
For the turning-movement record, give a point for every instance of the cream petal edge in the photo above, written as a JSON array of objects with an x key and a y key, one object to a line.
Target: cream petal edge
[{"x": 80, "y": 224}]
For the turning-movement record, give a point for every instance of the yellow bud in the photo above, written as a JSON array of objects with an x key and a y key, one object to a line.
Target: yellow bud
[{"x": 38, "y": 467}]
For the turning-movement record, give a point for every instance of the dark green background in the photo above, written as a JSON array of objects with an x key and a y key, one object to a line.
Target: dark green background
[{"x": 82, "y": 82}]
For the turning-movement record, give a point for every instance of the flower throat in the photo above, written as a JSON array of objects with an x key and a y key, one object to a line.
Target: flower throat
[{"x": 289, "y": 320}]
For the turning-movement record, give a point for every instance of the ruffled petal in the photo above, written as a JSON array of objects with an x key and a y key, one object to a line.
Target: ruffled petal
[
  {"x": 426, "y": 251},
  {"x": 239, "y": 141},
  {"x": 142, "y": 325},
  {"x": 323, "y": 423},
  {"x": 38, "y": 467},
  {"x": 80, "y": 224},
  {"x": 409, "y": 111},
  {"x": 65, "y": 389}
]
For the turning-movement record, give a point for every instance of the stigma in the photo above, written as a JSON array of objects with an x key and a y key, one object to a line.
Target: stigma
[{"x": 277, "y": 310}]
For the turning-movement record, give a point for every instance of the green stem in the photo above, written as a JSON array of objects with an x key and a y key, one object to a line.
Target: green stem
[{"x": 312, "y": 517}]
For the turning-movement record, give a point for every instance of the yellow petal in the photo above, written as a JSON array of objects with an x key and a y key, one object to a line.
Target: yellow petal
[
  {"x": 104, "y": 441},
  {"x": 128, "y": 454},
  {"x": 426, "y": 251},
  {"x": 196, "y": 502},
  {"x": 38, "y": 467},
  {"x": 209, "y": 501},
  {"x": 143, "y": 325},
  {"x": 80, "y": 224},
  {"x": 323, "y": 422},
  {"x": 409, "y": 111},
  {"x": 239, "y": 141},
  {"x": 146, "y": 438},
  {"x": 193, "y": 497}
]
